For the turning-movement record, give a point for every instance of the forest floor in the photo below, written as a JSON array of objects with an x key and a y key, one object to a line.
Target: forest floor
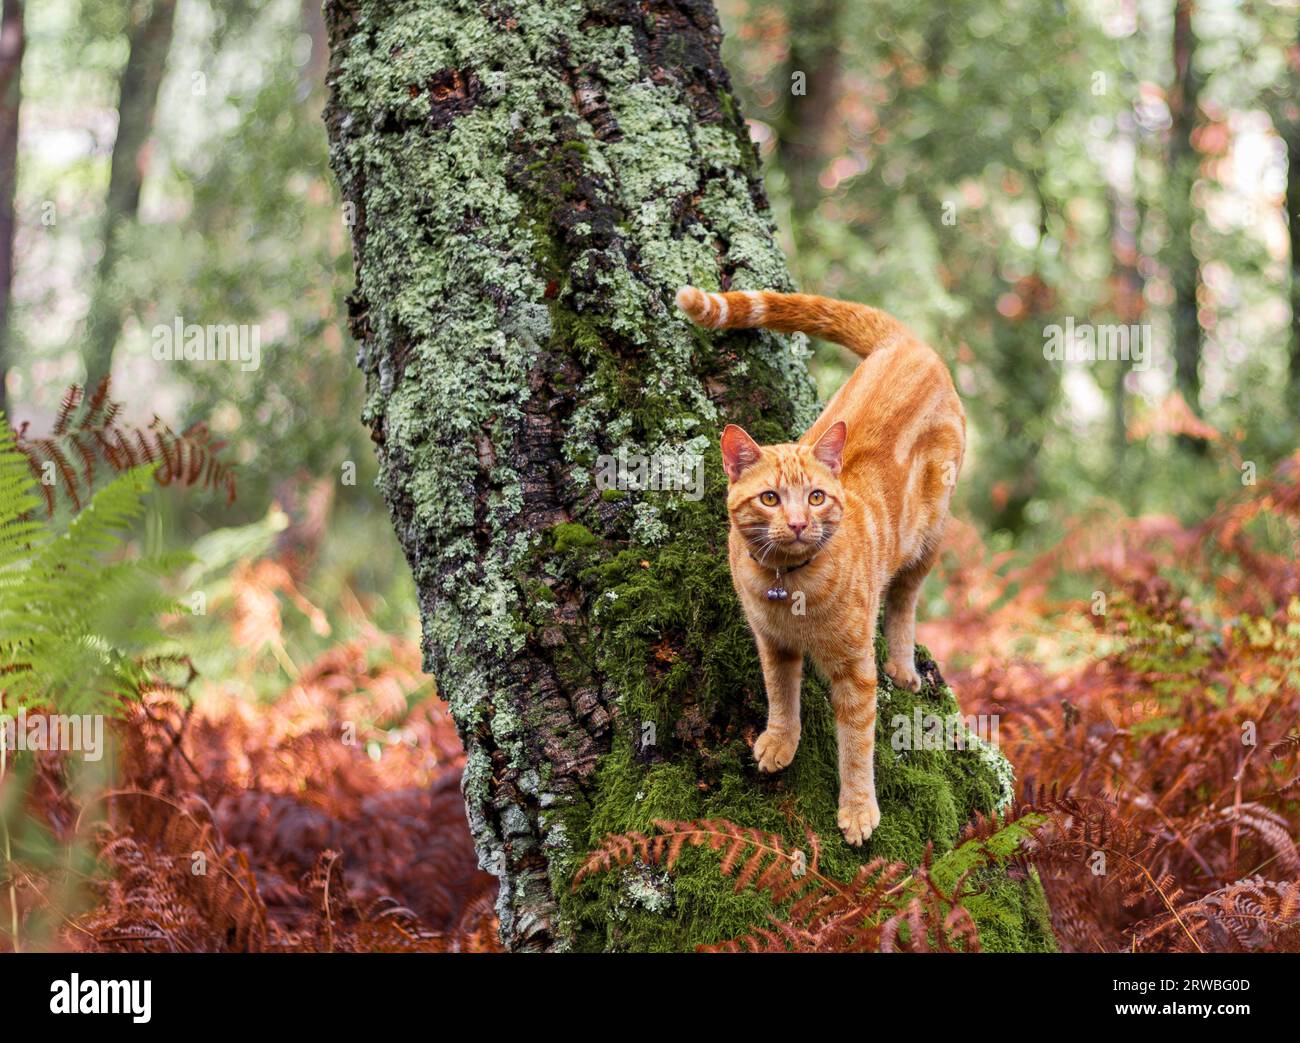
[
  {"x": 285, "y": 826},
  {"x": 1164, "y": 693}
]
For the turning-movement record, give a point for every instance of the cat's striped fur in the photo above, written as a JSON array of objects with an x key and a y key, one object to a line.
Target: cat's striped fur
[{"x": 884, "y": 457}]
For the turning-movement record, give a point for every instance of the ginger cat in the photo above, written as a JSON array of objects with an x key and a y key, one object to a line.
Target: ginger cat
[{"x": 822, "y": 530}]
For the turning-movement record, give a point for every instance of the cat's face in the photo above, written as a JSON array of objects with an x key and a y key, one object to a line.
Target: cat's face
[{"x": 785, "y": 500}]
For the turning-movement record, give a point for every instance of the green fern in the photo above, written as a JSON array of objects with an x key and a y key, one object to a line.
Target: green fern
[
  {"x": 992, "y": 842},
  {"x": 74, "y": 624}
]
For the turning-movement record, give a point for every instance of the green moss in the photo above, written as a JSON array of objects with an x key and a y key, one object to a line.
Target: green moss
[
  {"x": 569, "y": 536},
  {"x": 1012, "y": 914}
]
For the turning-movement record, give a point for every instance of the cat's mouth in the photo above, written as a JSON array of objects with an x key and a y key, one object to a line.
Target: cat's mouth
[{"x": 804, "y": 544}]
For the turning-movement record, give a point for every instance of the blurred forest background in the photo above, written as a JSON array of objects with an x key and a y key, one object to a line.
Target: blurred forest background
[{"x": 983, "y": 170}]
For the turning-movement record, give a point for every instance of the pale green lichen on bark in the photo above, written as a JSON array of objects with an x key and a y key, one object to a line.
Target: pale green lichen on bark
[{"x": 511, "y": 246}]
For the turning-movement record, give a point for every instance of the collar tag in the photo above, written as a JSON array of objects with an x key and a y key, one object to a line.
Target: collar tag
[{"x": 777, "y": 591}]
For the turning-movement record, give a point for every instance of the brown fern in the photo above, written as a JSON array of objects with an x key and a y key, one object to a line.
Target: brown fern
[
  {"x": 885, "y": 908},
  {"x": 309, "y": 844},
  {"x": 87, "y": 431}
]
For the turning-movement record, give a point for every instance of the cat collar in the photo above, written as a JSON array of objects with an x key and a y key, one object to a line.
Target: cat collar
[{"x": 777, "y": 591}]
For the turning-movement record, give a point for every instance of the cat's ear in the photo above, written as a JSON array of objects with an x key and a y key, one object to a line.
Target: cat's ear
[
  {"x": 829, "y": 449},
  {"x": 738, "y": 450}
]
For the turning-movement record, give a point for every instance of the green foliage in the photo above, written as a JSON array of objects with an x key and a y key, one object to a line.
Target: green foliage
[
  {"x": 76, "y": 625},
  {"x": 254, "y": 618}
]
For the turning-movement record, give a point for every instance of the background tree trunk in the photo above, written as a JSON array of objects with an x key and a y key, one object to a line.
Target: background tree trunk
[
  {"x": 808, "y": 116},
  {"x": 526, "y": 187},
  {"x": 150, "y": 38},
  {"x": 11, "y": 63},
  {"x": 1127, "y": 285},
  {"x": 1289, "y": 126},
  {"x": 1184, "y": 165}
]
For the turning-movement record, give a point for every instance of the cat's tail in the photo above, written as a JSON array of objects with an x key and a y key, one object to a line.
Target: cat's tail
[{"x": 860, "y": 328}]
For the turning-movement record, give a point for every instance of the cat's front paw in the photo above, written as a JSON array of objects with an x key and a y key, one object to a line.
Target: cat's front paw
[
  {"x": 857, "y": 820},
  {"x": 903, "y": 675},
  {"x": 774, "y": 750}
]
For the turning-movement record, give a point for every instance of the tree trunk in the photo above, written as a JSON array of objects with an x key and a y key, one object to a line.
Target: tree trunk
[
  {"x": 809, "y": 109},
  {"x": 1184, "y": 164},
  {"x": 526, "y": 186},
  {"x": 1127, "y": 286},
  {"x": 1289, "y": 126},
  {"x": 150, "y": 39},
  {"x": 11, "y": 63}
]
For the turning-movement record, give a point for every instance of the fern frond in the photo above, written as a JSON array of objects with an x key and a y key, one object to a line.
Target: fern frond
[
  {"x": 884, "y": 908},
  {"x": 87, "y": 429},
  {"x": 74, "y": 625},
  {"x": 17, "y": 502}
]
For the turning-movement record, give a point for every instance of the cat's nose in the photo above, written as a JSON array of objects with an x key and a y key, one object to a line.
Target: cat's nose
[{"x": 797, "y": 527}]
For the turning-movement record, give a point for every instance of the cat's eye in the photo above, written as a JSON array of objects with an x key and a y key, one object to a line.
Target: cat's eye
[
  {"x": 769, "y": 499},
  {"x": 816, "y": 497}
]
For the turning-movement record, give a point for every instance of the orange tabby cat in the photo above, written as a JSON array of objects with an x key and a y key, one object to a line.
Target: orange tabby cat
[{"x": 823, "y": 529}]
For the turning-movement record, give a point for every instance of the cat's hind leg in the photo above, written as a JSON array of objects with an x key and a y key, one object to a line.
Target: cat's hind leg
[
  {"x": 900, "y": 622},
  {"x": 853, "y": 696}
]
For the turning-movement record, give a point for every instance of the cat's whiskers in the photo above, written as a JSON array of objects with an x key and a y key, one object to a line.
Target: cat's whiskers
[
  {"x": 768, "y": 546},
  {"x": 761, "y": 540},
  {"x": 822, "y": 543}
]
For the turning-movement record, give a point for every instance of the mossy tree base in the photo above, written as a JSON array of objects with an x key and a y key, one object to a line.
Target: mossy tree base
[{"x": 527, "y": 185}]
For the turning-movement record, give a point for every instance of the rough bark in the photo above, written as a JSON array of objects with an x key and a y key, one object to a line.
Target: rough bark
[
  {"x": 11, "y": 62},
  {"x": 527, "y": 184},
  {"x": 150, "y": 37}
]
